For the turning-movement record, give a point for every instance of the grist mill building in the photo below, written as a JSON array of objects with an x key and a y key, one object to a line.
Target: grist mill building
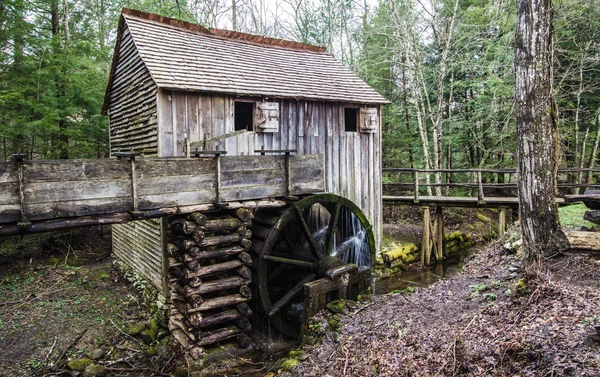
[{"x": 178, "y": 90}]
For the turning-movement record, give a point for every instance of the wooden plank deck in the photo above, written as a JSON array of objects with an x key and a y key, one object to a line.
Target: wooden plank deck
[{"x": 455, "y": 201}]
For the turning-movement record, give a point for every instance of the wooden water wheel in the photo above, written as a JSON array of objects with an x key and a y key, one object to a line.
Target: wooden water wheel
[{"x": 302, "y": 242}]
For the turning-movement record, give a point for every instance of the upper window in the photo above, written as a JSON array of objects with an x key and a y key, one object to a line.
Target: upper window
[
  {"x": 244, "y": 115},
  {"x": 351, "y": 119}
]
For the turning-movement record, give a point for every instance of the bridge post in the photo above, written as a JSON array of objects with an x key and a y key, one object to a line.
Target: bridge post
[
  {"x": 501, "y": 222},
  {"x": 425, "y": 243},
  {"x": 439, "y": 215}
]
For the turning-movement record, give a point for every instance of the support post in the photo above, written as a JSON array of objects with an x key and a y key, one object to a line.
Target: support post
[
  {"x": 480, "y": 196},
  {"x": 425, "y": 246},
  {"x": 24, "y": 223},
  {"x": 439, "y": 214},
  {"x": 501, "y": 222},
  {"x": 416, "y": 182}
]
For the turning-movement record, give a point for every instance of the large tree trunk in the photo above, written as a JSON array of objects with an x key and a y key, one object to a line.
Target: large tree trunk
[{"x": 537, "y": 130}]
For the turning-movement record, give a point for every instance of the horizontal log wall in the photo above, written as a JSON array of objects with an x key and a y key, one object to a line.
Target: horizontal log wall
[
  {"x": 71, "y": 188},
  {"x": 352, "y": 159}
]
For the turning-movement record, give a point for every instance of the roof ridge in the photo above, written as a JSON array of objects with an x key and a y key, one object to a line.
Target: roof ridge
[{"x": 228, "y": 34}]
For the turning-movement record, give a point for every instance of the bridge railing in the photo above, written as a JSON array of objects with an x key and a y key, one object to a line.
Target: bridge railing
[{"x": 479, "y": 182}]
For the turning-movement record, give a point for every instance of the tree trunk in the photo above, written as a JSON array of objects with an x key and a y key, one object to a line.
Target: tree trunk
[{"x": 537, "y": 130}]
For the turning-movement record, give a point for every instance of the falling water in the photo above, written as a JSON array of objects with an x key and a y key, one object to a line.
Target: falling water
[{"x": 350, "y": 238}]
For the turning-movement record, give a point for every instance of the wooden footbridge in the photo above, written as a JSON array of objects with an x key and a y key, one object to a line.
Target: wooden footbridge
[{"x": 479, "y": 188}]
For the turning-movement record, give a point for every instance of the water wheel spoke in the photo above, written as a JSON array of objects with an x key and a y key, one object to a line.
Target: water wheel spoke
[
  {"x": 287, "y": 241},
  {"x": 290, "y": 295},
  {"x": 282, "y": 267},
  {"x": 311, "y": 241},
  {"x": 345, "y": 247},
  {"x": 290, "y": 261},
  {"x": 332, "y": 227}
]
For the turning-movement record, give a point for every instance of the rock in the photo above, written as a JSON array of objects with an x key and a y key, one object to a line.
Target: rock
[
  {"x": 96, "y": 354},
  {"x": 162, "y": 333},
  {"x": 94, "y": 370},
  {"x": 79, "y": 364},
  {"x": 365, "y": 297},
  {"x": 352, "y": 305},
  {"x": 336, "y": 306},
  {"x": 136, "y": 329},
  {"x": 151, "y": 334},
  {"x": 593, "y": 341}
]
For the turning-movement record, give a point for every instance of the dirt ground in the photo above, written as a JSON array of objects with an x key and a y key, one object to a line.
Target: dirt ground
[
  {"x": 52, "y": 312},
  {"x": 486, "y": 321}
]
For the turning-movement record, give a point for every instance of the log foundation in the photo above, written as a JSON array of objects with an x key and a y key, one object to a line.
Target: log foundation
[{"x": 208, "y": 278}]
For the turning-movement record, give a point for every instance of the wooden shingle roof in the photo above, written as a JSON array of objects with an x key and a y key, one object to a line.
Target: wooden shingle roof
[{"x": 188, "y": 57}]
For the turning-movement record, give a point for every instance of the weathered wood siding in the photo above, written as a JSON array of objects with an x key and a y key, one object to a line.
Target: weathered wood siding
[
  {"x": 132, "y": 102},
  {"x": 139, "y": 244},
  {"x": 352, "y": 159}
]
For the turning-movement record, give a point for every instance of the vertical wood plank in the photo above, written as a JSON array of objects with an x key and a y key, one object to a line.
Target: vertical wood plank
[
  {"x": 291, "y": 126},
  {"x": 206, "y": 117},
  {"x": 218, "y": 120},
  {"x": 165, "y": 127},
  {"x": 300, "y": 127},
  {"x": 284, "y": 112},
  {"x": 180, "y": 123},
  {"x": 193, "y": 124}
]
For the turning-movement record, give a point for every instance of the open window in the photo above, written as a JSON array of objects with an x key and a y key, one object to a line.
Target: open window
[
  {"x": 351, "y": 119},
  {"x": 244, "y": 116}
]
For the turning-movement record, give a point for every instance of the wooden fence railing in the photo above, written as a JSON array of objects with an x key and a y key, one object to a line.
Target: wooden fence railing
[{"x": 479, "y": 181}]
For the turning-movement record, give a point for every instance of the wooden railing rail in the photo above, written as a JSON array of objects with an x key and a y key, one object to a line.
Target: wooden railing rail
[{"x": 476, "y": 180}]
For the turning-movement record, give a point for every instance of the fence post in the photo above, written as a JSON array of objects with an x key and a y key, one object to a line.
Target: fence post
[
  {"x": 480, "y": 197},
  {"x": 416, "y": 182}
]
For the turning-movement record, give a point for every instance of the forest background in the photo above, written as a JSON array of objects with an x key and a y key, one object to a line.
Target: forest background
[{"x": 446, "y": 66}]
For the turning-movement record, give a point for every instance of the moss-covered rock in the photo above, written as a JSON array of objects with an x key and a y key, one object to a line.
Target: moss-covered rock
[
  {"x": 401, "y": 255},
  {"x": 288, "y": 365},
  {"x": 136, "y": 329},
  {"x": 96, "y": 354},
  {"x": 94, "y": 370},
  {"x": 333, "y": 324},
  {"x": 150, "y": 335},
  {"x": 336, "y": 306},
  {"x": 79, "y": 364},
  {"x": 520, "y": 288}
]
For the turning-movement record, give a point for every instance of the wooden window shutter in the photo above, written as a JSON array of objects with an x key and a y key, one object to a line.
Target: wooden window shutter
[
  {"x": 267, "y": 117},
  {"x": 369, "y": 120}
]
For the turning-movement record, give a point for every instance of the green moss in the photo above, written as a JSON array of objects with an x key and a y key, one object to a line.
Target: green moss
[
  {"x": 151, "y": 334},
  {"x": 294, "y": 354},
  {"x": 401, "y": 254},
  {"x": 333, "y": 324},
  {"x": 79, "y": 364},
  {"x": 483, "y": 218},
  {"x": 136, "y": 329},
  {"x": 289, "y": 364},
  {"x": 520, "y": 288},
  {"x": 336, "y": 306}
]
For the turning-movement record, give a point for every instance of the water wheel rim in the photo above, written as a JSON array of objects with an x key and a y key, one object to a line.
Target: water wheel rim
[{"x": 296, "y": 211}]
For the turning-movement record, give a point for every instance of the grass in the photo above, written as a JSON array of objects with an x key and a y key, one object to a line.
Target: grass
[{"x": 571, "y": 217}]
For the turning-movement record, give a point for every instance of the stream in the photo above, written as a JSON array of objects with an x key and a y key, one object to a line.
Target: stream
[{"x": 452, "y": 266}]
